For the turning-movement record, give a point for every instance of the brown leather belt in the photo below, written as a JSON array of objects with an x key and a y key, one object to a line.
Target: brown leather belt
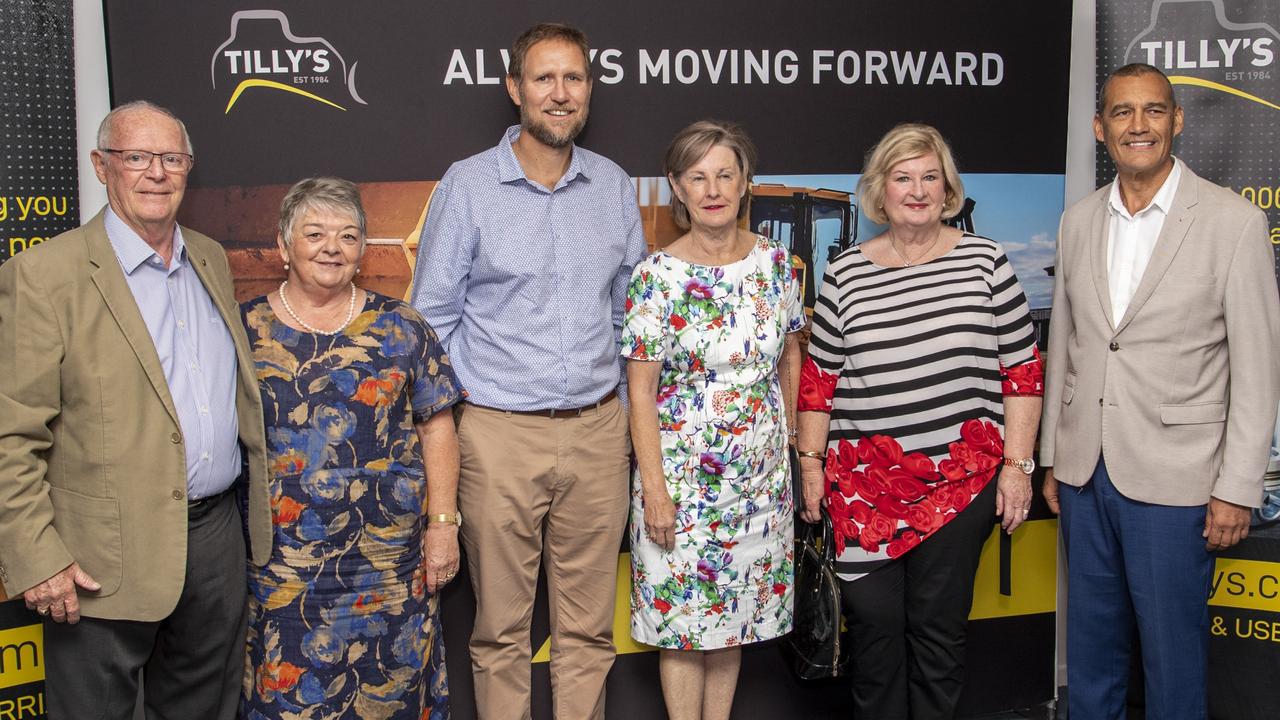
[{"x": 558, "y": 412}]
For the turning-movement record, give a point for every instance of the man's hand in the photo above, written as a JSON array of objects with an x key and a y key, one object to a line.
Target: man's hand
[
  {"x": 56, "y": 597},
  {"x": 1050, "y": 490},
  {"x": 1225, "y": 524}
]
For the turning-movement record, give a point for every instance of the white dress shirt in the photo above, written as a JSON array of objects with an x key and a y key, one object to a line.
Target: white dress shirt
[{"x": 1132, "y": 238}]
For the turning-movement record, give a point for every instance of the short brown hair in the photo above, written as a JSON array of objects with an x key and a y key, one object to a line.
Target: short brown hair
[
  {"x": 692, "y": 143},
  {"x": 907, "y": 141},
  {"x": 546, "y": 31},
  {"x": 330, "y": 193}
]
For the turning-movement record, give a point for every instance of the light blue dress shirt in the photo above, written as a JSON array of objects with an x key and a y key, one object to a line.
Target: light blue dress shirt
[
  {"x": 527, "y": 285},
  {"x": 196, "y": 353}
]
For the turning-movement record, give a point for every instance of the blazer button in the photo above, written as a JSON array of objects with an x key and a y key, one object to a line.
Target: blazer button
[
  {"x": 177, "y": 495},
  {"x": 1114, "y": 346},
  {"x": 177, "y": 437}
]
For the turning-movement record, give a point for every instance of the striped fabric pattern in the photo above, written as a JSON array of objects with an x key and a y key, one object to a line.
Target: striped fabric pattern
[{"x": 918, "y": 350}]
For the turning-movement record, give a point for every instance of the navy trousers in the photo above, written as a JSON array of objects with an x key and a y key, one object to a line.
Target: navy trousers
[{"x": 1134, "y": 567}]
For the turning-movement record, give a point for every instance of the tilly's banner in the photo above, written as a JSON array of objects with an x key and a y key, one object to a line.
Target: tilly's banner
[{"x": 389, "y": 94}]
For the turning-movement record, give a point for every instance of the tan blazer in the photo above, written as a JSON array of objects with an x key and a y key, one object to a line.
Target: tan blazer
[
  {"x": 92, "y": 468},
  {"x": 1180, "y": 394}
]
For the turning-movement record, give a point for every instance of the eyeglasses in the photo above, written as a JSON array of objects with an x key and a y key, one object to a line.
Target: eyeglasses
[{"x": 171, "y": 162}]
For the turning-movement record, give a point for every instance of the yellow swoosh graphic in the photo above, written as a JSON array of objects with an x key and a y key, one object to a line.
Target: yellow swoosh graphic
[
  {"x": 1198, "y": 82},
  {"x": 246, "y": 84}
]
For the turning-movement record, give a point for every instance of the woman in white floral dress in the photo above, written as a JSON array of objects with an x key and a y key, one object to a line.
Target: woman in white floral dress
[{"x": 710, "y": 320}]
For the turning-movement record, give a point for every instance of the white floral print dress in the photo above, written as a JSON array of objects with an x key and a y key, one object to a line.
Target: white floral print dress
[{"x": 719, "y": 332}]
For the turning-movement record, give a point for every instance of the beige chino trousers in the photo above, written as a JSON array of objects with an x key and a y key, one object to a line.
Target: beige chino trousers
[{"x": 552, "y": 491}]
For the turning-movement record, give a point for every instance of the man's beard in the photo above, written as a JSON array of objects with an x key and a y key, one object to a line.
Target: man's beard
[{"x": 543, "y": 133}]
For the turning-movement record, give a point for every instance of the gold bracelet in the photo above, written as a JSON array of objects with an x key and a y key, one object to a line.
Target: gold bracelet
[{"x": 812, "y": 454}]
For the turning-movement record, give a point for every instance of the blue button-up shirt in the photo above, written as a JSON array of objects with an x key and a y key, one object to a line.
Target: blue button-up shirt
[
  {"x": 526, "y": 285},
  {"x": 196, "y": 353}
]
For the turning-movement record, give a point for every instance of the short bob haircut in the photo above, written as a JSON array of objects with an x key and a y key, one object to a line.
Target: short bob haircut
[
  {"x": 107, "y": 128},
  {"x": 907, "y": 141},
  {"x": 546, "y": 31},
  {"x": 692, "y": 143},
  {"x": 328, "y": 193}
]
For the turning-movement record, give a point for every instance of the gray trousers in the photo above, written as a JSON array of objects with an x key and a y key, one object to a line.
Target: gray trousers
[{"x": 193, "y": 659}]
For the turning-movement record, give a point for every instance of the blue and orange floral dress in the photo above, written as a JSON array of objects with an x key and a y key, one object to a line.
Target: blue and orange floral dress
[
  {"x": 340, "y": 622},
  {"x": 719, "y": 333}
]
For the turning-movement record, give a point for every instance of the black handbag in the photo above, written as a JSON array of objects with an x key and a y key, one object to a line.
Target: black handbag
[{"x": 814, "y": 642}]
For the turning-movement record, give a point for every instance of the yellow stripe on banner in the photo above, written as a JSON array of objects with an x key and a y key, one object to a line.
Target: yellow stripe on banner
[
  {"x": 1034, "y": 576},
  {"x": 621, "y": 617},
  {"x": 272, "y": 84},
  {"x": 21, "y": 655},
  {"x": 1211, "y": 85},
  {"x": 1246, "y": 584}
]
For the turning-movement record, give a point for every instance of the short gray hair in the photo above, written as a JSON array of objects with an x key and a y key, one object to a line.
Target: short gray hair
[
  {"x": 692, "y": 143},
  {"x": 108, "y": 126},
  {"x": 330, "y": 193}
]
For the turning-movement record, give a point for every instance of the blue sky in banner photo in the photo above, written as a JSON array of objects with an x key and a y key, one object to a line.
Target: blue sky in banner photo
[{"x": 1020, "y": 212}]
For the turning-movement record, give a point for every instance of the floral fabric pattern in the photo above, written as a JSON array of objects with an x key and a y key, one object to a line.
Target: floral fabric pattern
[
  {"x": 719, "y": 332},
  {"x": 340, "y": 622}
]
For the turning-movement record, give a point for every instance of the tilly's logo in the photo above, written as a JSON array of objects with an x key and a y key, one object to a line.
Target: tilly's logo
[
  {"x": 1195, "y": 44},
  {"x": 262, "y": 52}
]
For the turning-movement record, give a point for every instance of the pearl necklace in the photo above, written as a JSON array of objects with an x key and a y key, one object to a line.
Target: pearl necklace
[
  {"x": 351, "y": 312},
  {"x": 905, "y": 262}
]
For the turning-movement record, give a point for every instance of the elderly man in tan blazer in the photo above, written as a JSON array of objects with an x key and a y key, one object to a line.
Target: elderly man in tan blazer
[
  {"x": 1159, "y": 403},
  {"x": 129, "y": 415}
]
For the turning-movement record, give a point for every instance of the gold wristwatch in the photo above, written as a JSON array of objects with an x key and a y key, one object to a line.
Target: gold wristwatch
[
  {"x": 1026, "y": 465},
  {"x": 454, "y": 518}
]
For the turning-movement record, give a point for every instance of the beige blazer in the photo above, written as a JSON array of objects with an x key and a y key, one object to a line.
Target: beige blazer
[
  {"x": 92, "y": 467},
  {"x": 1180, "y": 394}
]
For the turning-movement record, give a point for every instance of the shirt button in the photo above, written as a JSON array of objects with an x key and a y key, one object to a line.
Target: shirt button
[
  {"x": 204, "y": 410},
  {"x": 178, "y": 495},
  {"x": 1099, "y": 402},
  {"x": 175, "y": 438},
  {"x": 1114, "y": 346},
  {"x": 182, "y": 324}
]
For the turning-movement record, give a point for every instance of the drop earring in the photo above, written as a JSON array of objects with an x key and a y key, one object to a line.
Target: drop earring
[{"x": 286, "y": 266}]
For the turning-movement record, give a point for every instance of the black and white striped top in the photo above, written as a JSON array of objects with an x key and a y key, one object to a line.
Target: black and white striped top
[{"x": 914, "y": 352}]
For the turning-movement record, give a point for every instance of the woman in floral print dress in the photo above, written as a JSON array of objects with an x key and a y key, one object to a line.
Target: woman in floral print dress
[
  {"x": 708, "y": 321},
  {"x": 343, "y": 619}
]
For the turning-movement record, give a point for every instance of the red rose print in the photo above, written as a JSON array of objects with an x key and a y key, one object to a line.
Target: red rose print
[
  {"x": 661, "y": 605},
  {"x": 919, "y": 465},
  {"x": 924, "y": 516},
  {"x": 860, "y": 511},
  {"x": 848, "y": 454},
  {"x": 902, "y": 544},
  {"x": 881, "y": 527},
  {"x": 887, "y": 450},
  {"x": 779, "y": 588},
  {"x": 1024, "y": 379},
  {"x": 866, "y": 451},
  {"x": 677, "y": 322},
  {"x": 941, "y": 496},
  {"x": 982, "y": 437},
  {"x": 837, "y": 507},
  {"x": 868, "y": 488},
  {"x": 846, "y": 481},
  {"x": 960, "y": 499},
  {"x": 964, "y": 455},
  {"x": 903, "y": 485},
  {"x": 846, "y": 528},
  {"x": 951, "y": 469},
  {"x": 892, "y": 508}
]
